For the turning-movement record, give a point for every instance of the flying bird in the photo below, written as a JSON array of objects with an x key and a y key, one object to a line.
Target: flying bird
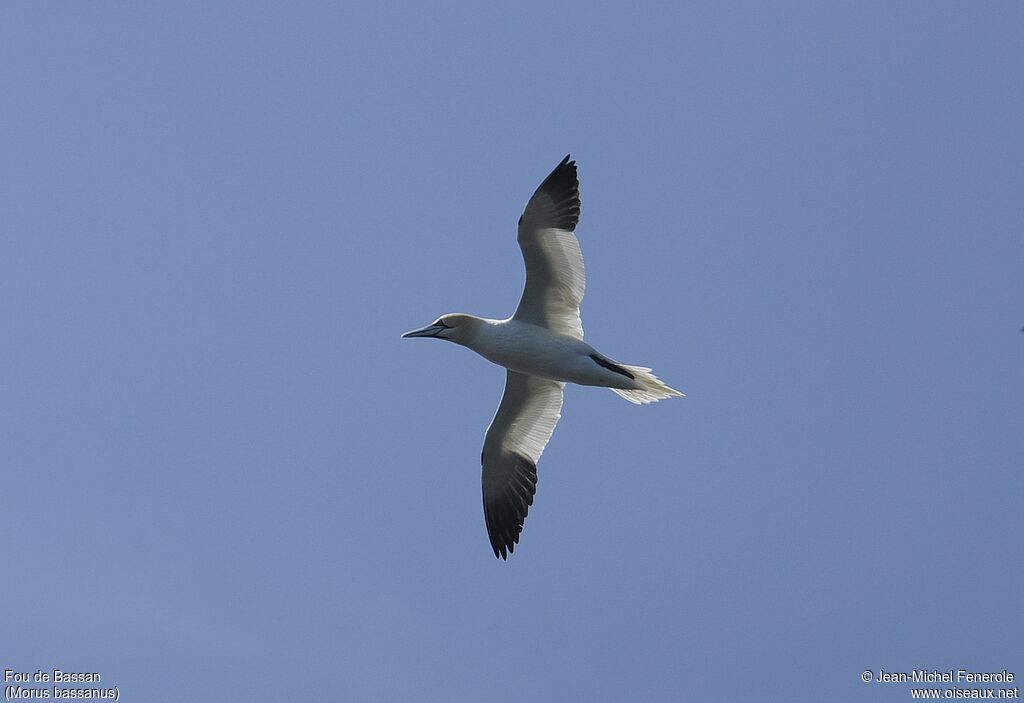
[{"x": 541, "y": 347}]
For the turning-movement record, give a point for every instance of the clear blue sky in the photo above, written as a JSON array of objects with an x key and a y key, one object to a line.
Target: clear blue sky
[{"x": 226, "y": 477}]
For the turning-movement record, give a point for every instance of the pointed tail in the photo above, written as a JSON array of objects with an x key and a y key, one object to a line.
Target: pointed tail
[{"x": 652, "y": 390}]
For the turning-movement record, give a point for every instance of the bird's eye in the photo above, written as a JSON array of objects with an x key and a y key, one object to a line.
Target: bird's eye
[{"x": 440, "y": 323}]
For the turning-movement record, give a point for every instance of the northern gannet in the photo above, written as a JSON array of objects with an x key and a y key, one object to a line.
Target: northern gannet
[{"x": 541, "y": 347}]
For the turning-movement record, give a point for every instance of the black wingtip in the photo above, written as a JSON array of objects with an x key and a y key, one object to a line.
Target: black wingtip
[
  {"x": 506, "y": 513},
  {"x": 566, "y": 165},
  {"x": 562, "y": 186}
]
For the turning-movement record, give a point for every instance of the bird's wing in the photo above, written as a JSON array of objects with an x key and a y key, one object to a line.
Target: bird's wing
[
  {"x": 554, "y": 264},
  {"x": 520, "y": 430}
]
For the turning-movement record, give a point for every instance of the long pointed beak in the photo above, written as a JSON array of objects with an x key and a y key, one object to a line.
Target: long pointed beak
[{"x": 428, "y": 331}]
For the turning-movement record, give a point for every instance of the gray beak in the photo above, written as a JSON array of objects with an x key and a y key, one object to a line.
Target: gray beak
[{"x": 429, "y": 331}]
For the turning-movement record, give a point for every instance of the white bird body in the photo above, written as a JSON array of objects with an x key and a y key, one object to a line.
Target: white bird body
[
  {"x": 537, "y": 351},
  {"x": 542, "y": 348}
]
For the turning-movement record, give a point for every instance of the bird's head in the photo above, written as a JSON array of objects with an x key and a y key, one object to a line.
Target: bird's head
[{"x": 455, "y": 327}]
